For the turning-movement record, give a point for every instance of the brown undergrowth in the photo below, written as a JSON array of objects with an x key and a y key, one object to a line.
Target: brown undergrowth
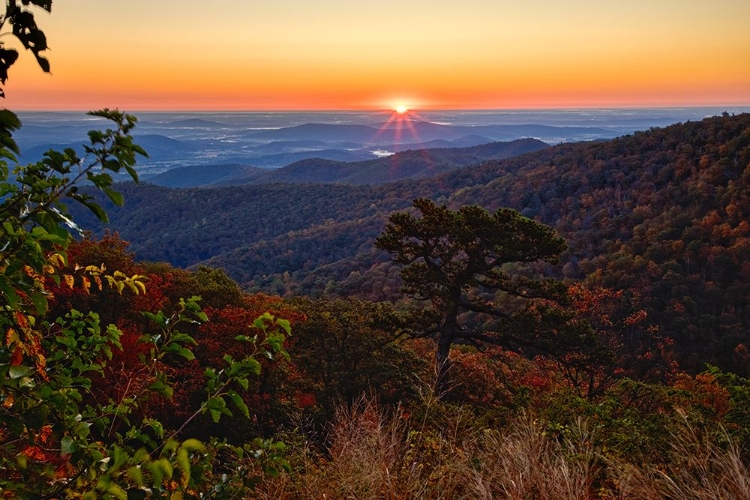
[{"x": 386, "y": 454}]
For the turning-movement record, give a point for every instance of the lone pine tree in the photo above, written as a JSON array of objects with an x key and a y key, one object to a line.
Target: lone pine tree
[{"x": 467, "y": 261}]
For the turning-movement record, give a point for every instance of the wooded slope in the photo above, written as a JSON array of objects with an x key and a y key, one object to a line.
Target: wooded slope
[{"x": 664, "y": 212}]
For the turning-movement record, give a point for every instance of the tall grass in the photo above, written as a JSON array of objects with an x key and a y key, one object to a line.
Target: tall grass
[
  {"x": 525, "y": 463},
  {"x": 376, "y": 454},
  {"x": 700, "y": 469},
  {"x": 440, "y": 453}
]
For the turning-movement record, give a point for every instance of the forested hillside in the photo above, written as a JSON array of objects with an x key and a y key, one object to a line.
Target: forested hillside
[
  {"x": 594, "y": 346},
  {"x": 663, "y": 212}
]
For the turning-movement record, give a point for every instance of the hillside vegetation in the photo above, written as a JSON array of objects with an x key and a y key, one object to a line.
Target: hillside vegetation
[
  {"x": 572, "y": 380},
  {"x": 663, "y": 212},
  {"x": 573, "y": 391}
]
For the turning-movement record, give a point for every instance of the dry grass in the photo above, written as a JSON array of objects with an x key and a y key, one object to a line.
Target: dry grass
[
  {"x": 366, "y": 451},
  {"x": 700, "y": 469},
  {"x": 374, "y": 454},
  {"x": 525, "y": 463}
]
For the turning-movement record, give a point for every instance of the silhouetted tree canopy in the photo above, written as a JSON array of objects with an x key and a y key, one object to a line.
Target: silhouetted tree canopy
[
  {"x": 460, "y": 261},
  {"x": 24, "y": 28}
]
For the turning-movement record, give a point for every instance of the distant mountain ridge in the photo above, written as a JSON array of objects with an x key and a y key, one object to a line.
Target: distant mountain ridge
[
  {"x": 271, "y": 140},
  {"x": 410, "y": 164},
  {"x": 420, "y": 131},
  {"x": 159, "y": 148}
]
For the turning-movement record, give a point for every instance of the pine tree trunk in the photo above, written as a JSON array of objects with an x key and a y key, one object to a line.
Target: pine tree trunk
[{"x": 448, "y": 333}]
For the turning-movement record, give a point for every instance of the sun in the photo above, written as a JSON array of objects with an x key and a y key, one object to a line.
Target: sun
[{"x": 401, "y": 109}]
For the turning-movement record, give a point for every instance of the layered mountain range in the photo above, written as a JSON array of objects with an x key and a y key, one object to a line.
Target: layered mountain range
[{"x": 663, "y": 213}]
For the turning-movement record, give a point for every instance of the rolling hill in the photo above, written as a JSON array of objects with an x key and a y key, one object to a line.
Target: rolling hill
[
  {"x": 410, "y": 164},
  {"x": 664, "y": 213}
]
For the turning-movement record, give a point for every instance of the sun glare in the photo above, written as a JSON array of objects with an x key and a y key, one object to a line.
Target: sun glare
[{"x": 401, "y": 109}]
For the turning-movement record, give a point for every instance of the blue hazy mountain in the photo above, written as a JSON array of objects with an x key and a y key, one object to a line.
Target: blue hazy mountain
[
  {"x": 277, "y": 139},
  {"x": 159, "y": 148},
  {"x": 418, "y": 131},
  {"x": 410, "y": 164}
]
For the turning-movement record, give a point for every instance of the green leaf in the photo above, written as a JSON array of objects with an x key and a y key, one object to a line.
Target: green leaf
[
  {"x": 285, "y": 324},
  {"x": 68, "y": 446},
  {"x": 120, "y": 457},
  {"x": 252, "y": 365},
  {"x": 181, "y": 351},
  {"x": 158, "y": 318},
  {"x": 9, "y": 293},
  {"x": 40, "y": 302},
  {"x": 239, "y": 403},
  {"x": 215, "y": 415},
  {"x": 161, "y": 387},
  {"x": 194, "y": 445},
  {"x": 16, "y": 372},
  {"x": 157, "y": 472},
  {"x": 115, "y": 196},
  {"x": 183, "y": 461},
  {"x": 217, "y": 407},
  {"x": 135, "y": 474},
  {"x": 167, "y": 468},
  {"x": 94, "y": 207}
]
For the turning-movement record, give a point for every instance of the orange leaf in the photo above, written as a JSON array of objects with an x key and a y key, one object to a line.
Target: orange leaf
[
  {"x": 9, "y": 400},
  {"x": 17, "y": 358},
  {"x": 22, "y": 320},
  {"x": 11, "y": 337}
]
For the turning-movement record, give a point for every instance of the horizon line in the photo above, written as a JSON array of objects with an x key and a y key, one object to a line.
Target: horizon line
[{"x": 387, "y": 110}]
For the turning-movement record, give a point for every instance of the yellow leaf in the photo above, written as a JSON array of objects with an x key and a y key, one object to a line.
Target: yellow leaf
[
  {"x": 93, "y": 270},
  {"x": 41, "y": 364},
  {"x": 56, "y": 260},
  {"x": 86, "y": 283},
  {"x": 98, "y": 282},
  {"x": 69, "y": 280},
  {"x": 11, "y": 337}
]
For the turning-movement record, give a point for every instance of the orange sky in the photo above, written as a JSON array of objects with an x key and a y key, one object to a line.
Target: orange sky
[{"x": 356, "y": 54}]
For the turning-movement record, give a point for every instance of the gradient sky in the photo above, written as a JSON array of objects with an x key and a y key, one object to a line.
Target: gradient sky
[{"x": 357, "y": 54}]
